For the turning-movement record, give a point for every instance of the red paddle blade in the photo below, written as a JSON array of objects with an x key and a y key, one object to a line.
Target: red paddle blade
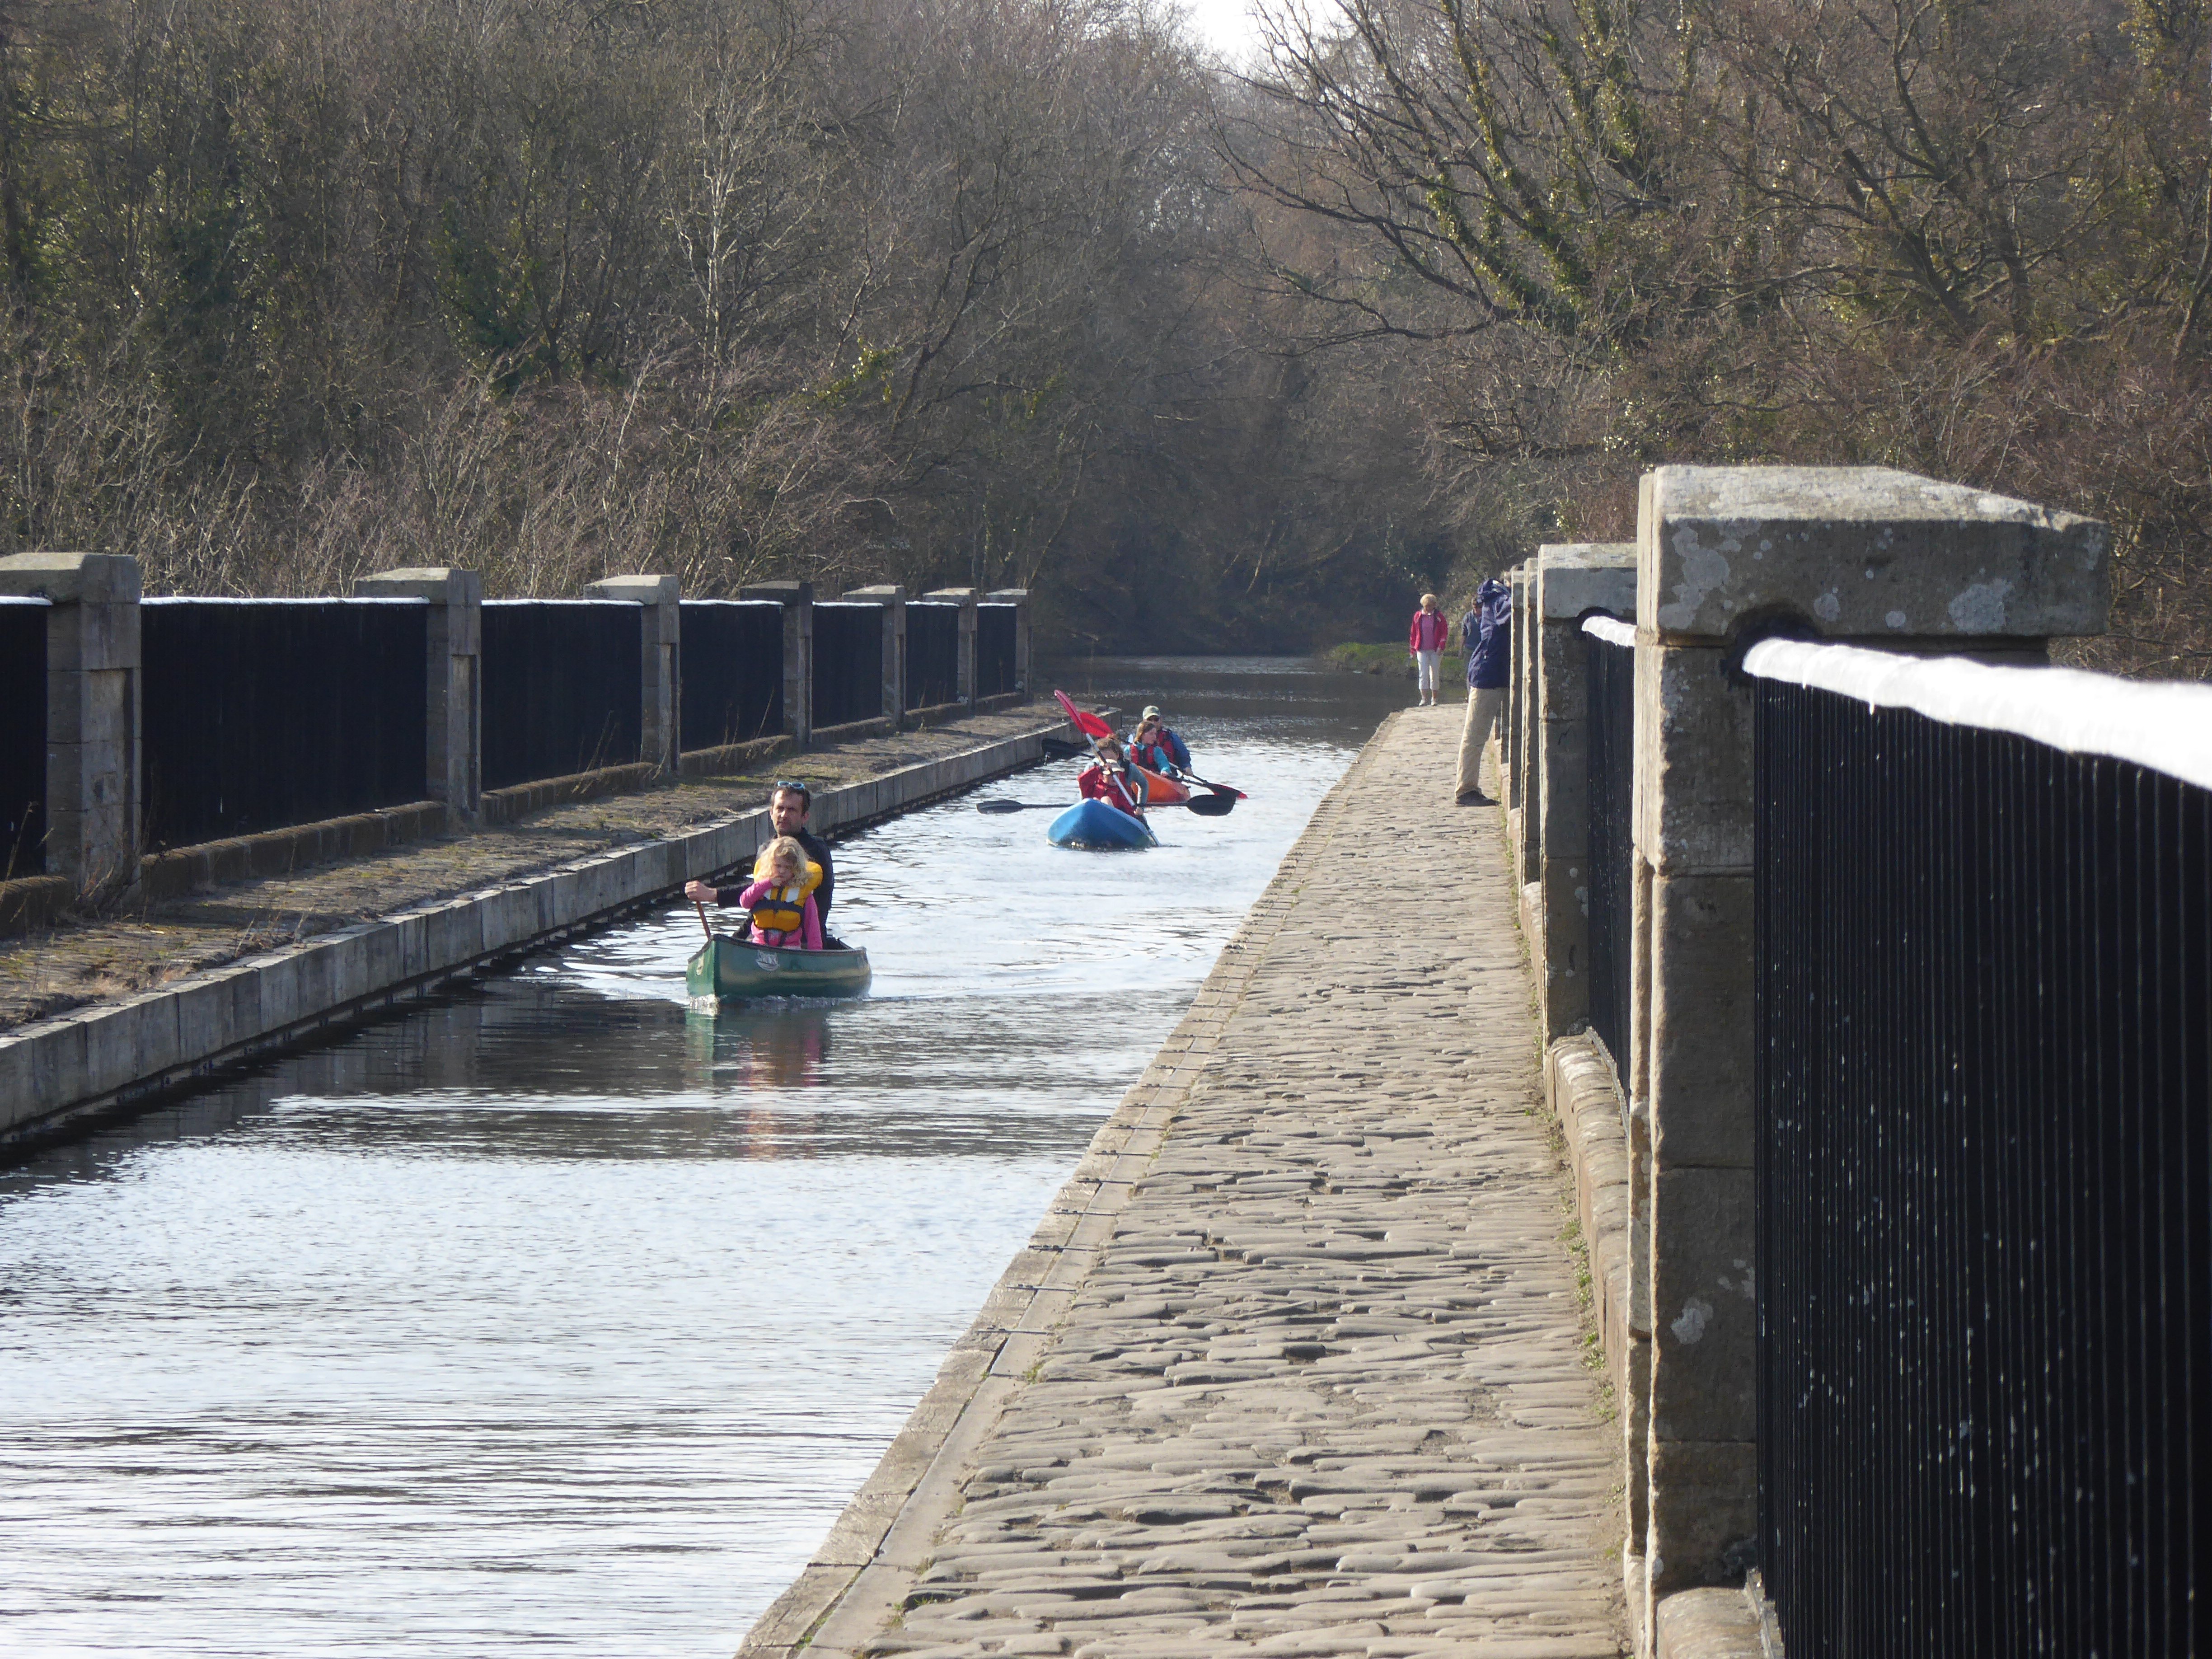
[{"x": 1089, "y": 725}]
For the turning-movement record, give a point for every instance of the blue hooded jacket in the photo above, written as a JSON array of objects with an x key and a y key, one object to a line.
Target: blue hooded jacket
[{"x": 1486, "y": 635}]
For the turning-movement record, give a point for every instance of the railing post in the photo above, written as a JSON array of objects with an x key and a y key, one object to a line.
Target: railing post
[
  {"x": 797, "y": 599},
  {"x": 453, "y": 667},
  {"x": 1866, "y": 555},
  {"x": 965, "y": 598},
  {"x": 893, "y": 600},
  {"x": 1570, "y": 580},
  {"x": 1019, "y": 598},
  {"x": 93, "y": 759},
  {"x": 660, "y": 655}
]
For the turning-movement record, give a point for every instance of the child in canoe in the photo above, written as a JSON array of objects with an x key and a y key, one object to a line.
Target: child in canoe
[
  {"x": 782, "y": 898},
  {"x": 1110, "y": 779}
]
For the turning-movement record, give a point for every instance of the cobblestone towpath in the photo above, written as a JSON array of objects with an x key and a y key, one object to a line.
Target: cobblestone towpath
[{"x": 1296, "y": 1364}]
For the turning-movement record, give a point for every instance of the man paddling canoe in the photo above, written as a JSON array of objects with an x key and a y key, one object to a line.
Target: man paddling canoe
[{"x": 786, "y": 809}]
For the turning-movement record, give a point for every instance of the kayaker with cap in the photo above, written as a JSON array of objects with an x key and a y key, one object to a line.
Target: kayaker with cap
[
  {"x": 1108, "y": 779},
  {"x": 787, "y": 807},
  {"x": 1156, "y": 746}
]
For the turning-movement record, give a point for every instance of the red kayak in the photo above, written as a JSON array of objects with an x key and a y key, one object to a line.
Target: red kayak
[{"x": 1161, "y": 791}]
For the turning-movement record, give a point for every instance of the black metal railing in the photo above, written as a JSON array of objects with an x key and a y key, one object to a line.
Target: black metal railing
[
  {"x": 258, "y": 714},
  {"x": 22, "y": 737},
  {"x": 933, "y": 654},
  {"x": 1984, "y": 974},
  {"x": 733, "y": 678},
  {"x": 994, "y": 649},
  {"x": 562, "y": 688},
  {"x": 848, "y": 663},
  {"x": 1611, "y": 773}
]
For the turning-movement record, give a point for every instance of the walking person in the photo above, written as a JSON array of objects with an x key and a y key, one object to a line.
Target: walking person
[
  {"x": 1425, "y": 641},
  {"x": 1486, "y": 635}
]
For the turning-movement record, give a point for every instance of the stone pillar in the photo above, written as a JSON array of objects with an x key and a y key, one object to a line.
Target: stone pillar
[
  {"x": 893, "y": 600},
  {"x": 453, "y": 667},
  {"x": 1019, "y": 598},
  {"x": 965, "y": 598},
  {"x": 660, "y": 658},
  {"x": 92, "y": 803},
  {"x": 1864, "y": 555},
  {"x": 797, "y": 599},
  {"x": 1525, "y": 630},
  {"x": 1570, "y": 580}
]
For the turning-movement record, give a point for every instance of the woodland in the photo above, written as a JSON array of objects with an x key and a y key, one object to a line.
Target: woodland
[{"x": 1210, "y": 354}]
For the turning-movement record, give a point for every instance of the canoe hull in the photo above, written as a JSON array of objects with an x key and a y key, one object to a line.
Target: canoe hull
[
  {"x": 1161, "y": 791},
  {"x": 724, "y": 968},
  {"x": 1093, "y": 824}
]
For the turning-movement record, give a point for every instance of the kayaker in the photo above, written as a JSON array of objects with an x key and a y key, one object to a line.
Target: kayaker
[
  {"x": 787, "y": 808},
  {"x": 781, "y": 904},
  {"x": 1108, "y": 779},
  {"x": 1155, "y": 744}
]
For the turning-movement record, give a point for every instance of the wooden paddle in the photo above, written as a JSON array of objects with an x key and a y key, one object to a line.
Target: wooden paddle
[{"x": 1206, "y": 806}]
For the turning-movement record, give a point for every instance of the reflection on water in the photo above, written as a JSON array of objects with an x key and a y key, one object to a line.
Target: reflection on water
[{"x": 556, "y": 1312}]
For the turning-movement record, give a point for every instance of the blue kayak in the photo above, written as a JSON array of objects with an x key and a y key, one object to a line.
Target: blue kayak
[{"x": 1094, "y": 824}]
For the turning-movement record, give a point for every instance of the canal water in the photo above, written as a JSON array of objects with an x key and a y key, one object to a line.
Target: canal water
[{"x": 552, "y": 1314}]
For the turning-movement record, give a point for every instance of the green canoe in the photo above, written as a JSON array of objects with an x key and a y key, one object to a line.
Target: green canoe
[{"x": 727, "y": 966}]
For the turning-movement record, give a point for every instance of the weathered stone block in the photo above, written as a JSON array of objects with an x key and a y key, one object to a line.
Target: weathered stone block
[
  {"x": 1703, "y": 1304},
  {"x": 19, "y": 1089},
  {"x": 1575, "y": 577},
  {"x": 1562, "y": 675},
  {"x": 453, "y": 934},
  {"x": 374, "y": 960},
  {"x": 1702, "y": 1014},
  {"x": 1694, "y": 783},
  {"x": 1561, "y": 954},
  {"x": 1704, "y": 1511},
  {"x": 71, "y": 578},
  {"x": 119, "y": 1039},
  {"x": 510, "y": 916},
  {"x": 212, "y": 1015},
  {"x": 296, "y": 985},
  {"x": 1706, "y": 1624},
  {"x": 53, "y": 1058},
  {"x": 1863, "y": 552},
  {"x": 1563, "y": 790}
]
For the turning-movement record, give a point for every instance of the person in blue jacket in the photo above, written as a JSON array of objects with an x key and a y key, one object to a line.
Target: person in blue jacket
[{"x": 1486, "y": 635}]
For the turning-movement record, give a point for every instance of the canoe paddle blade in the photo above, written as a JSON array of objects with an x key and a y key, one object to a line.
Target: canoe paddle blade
[
  {"x": 1089, "y": 724},
  {"x": 1212, "y": 806},
  {"x": 997, "y": 806}
]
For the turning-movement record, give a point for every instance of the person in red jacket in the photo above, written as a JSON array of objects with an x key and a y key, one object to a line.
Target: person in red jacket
[
  {"x": 1108, "y": 779},
  {"x": 1425, "y": 641}
]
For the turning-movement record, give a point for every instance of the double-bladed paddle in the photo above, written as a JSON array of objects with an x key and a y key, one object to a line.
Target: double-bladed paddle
[{"x": 1206, "y": 806}]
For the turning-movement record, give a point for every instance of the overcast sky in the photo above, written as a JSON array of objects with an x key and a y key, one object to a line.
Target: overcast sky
[{"x": 1225, "y": 25}]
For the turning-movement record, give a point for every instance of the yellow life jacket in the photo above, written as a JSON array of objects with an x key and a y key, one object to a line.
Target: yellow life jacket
[{"x": 783, "y": 909}]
